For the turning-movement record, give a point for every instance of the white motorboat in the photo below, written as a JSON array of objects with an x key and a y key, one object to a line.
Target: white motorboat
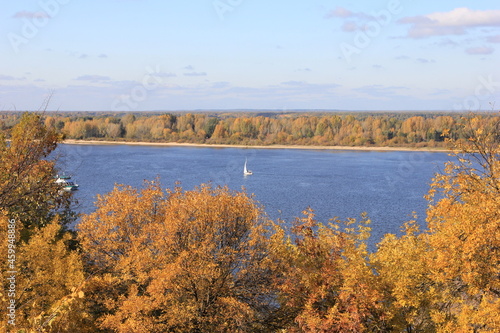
[{"x": 66, "y": 183}]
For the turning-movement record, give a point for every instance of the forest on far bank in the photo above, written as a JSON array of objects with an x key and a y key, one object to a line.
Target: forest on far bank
[{"x": 390, "y": 129}]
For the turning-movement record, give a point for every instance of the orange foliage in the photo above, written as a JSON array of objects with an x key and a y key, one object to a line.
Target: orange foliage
[
  {"x": 180, "y": 261},
  {"x": 324, "y": 279}
]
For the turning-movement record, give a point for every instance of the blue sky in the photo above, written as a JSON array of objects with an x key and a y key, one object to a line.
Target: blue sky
[{"x": 135, "y": 55}]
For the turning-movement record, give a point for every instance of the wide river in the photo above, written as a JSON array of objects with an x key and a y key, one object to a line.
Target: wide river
[{"x": 387, "y": 185}]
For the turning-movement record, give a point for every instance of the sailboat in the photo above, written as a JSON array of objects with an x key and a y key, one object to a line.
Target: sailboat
[{"x": 245, "y": 170}]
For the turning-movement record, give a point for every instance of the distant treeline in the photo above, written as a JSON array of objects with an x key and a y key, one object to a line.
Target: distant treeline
[{"x": 344, "y": 129}]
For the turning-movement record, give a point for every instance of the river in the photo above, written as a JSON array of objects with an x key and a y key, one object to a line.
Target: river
[{"x": 388, "y": 185}]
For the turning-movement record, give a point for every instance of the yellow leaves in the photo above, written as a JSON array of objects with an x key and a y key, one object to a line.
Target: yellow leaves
[
  {"x": 401, "y": 266},
  {"x": 438, "y": 317},
  {"x": 48, "y": 282},
  {"x": 27, "y": 188},
  {"x": 465, "y": 235},
  {"x": 325, "y": 275},
  {"x": 195, "y": 260},
  {"x": 46, "y": 269},
  {"x": 464, "y": 238},
  {"x": 115, "y": 227}
]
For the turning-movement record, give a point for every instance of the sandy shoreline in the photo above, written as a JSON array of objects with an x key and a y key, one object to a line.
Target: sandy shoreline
[{"x": 201, "y": 145}]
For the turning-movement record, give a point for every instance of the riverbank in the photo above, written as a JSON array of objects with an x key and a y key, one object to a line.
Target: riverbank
[{"x": 201, "y": 145}]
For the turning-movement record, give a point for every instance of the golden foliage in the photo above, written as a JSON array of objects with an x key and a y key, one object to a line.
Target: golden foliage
[
  {"x": 448, "y": 278},
  {"x": 403, "y": 279},
  {"x": 464, "y": 234},
  {"x": 181, "y": 261},
  {"x": 27, "y": 188},
  {"x": 48, "y": 282},
  {"x": 324, "y": 279}
]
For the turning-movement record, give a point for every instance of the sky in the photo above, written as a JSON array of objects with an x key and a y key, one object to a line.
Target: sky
[{"x": 152, "y": 55}]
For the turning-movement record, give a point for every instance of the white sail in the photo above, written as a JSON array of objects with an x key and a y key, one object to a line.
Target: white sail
[{"x": 245, "y": 170}]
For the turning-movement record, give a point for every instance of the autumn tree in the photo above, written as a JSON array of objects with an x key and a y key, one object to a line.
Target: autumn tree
[
  {"x": 464, "y": 233},
  {"x": 46, "y": 270},
  {"x": 48, "y": 280},
  {"x": 447, "y": 279},
  {"x": 27, "y": 188},
  {"x": 403, "y": 280},
  {"x": 325, "y": 282},
  {"x": 181, "y": 261}
]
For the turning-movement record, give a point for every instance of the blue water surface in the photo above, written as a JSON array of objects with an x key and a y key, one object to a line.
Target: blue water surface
[{"x": 388, "y": 185}]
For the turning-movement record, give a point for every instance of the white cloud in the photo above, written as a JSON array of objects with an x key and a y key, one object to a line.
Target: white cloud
[
  {"x": 342, "y": 12},
  {"x": 448, "y": 42},
  {"x": 93, "y": 78},
  {"x": 425, "y": 61},
  {"x": 468, "y": 17},
  {"x": 30, "y": 15},
  {"x": 6, "y": 77},
  {"x": 356, "y": 21},
  {"x": 10, "y": 78},
  {"x": 350, "y": 26},
  {"x": 493, "y": 39},
  {"x": 455, "y": 22},
  {"x": 221, "y": 85},
  {"x": 479, "y": 50},
  {"x": 381, "y": 91},
  {"x": 167, "y": 74},
  {"x": 402, "y": 57},
  {"x": 195, "y": 74}
]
